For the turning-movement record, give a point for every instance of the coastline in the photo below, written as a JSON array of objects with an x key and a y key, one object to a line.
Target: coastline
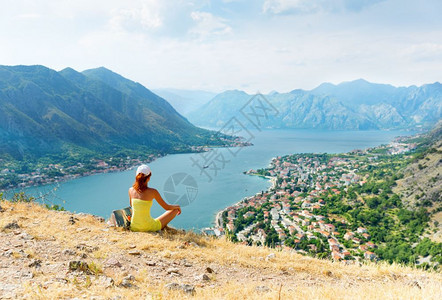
[
  {"x": 76, "y": 176},
  {"x": 134, "y": 162},
  {"x": 211, "y": 216},
  {"x": 273, "y": 180},
  {"x": 218, "y": 215}
]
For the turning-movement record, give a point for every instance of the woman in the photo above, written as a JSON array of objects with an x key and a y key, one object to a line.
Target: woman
[{"x": 141, "y": 198}]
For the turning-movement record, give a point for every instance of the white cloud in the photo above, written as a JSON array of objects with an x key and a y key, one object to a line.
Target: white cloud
[
  {"x": 314, "y": 6},
  {"x": 424, "y": 52},
  {"x": 29, "y": 16},
  {"x": 288, "y": 6},
  {"x": 215, "y": 45},
  {"x": 144, "y": 15},
  {"x": 206, "y": 25}
]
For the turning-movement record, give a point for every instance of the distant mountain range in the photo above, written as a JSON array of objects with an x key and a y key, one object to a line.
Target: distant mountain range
[
  {"x": 355, "y": 105},
  {"x": 43, "y": 111},
  {"x": 185, "y": 101}
]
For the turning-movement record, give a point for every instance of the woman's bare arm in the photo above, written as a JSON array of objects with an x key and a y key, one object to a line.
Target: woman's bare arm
[
  {"x": 163, "y": 203},
  {"x": 130, "y": 199}
]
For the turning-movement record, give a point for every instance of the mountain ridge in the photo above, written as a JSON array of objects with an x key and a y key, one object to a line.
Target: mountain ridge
[
  {"x": 353, "y": 105},
  {"x": 43, "y": 111}
]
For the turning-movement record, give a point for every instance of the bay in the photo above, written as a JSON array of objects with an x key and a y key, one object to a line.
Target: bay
[{"x": 100, "y": 194}]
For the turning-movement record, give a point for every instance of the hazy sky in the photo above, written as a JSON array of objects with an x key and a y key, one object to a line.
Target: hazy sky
[{"x": 232, "y": 44}]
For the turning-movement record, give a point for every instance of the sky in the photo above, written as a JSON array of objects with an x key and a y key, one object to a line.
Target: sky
[{"x": 261, "y": 45}]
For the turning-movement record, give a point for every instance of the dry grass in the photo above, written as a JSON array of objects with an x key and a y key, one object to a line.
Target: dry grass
[{"x": 241, "y": 268}]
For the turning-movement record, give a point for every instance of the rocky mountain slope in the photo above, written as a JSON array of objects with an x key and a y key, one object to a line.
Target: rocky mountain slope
[
  {"x": 421, "y": 185},
  {"x": 356, "y": 105},
  {"x": 50, "y": 254},
  {"x": 43, "y": 111}
]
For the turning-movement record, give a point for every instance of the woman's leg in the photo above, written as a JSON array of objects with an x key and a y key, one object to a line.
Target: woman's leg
[{"x": 167, "y": 217}]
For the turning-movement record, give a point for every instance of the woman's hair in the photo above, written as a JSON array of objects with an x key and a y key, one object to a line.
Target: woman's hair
[{"x": 140, "y": 184}]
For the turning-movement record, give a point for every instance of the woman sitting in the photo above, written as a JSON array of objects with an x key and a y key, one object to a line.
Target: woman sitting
[{"x": 141, "y": 198}]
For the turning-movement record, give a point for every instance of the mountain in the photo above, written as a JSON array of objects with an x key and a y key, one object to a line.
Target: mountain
[
  {"x": 355, "y": 105},
  {"x": 421, "y": 183},
  {"x": 185, "y": 101},
  {"x": 43, "y": 111},
  {"x": 220, "y": 109}
]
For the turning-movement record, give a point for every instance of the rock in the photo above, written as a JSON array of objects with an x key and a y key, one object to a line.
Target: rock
[
  {"x": 81, "y": 266},
  {"x": 87, "y": 248},
  {"x": 209, "y": 270},
  {"x": 172, "y": 286},
  {"x": 27, "y": 275},
  {"x": 131, "y": 247},
  {"x": 134, "y": 252},
  {"x": 262, "y": 289},
  {"x": 173, "y": 270},
  {"x": 69, "y": 252},
  {"x": 270, "y": 256},
  {"x": 62, "y": 280},
  {"x": 83, "y": 229},
  {"x": 1, "y": 209},
  {"x": 107, "y": 282},
  {"x": 36, "y": 263},
  {"x": 194, "y": 244},
  {"x": 414, "y": 284},
  {"x": 112, "y": 262},
  {"x": 202, "y": 277},
  {"x": 7, "y": 291},
  {"x": 100, "y": 219},
  {"x": 129, "y": 277},
  {"x": 8, "y": 253},
  {"x": 328, "y": 273},
  {"x": 25, "y": 236},
  {"x": 12, "y": 225},
  {"x": 187, "y": 264},
  {"x": 24, "y": 254},
  {"x": 125, "y": 284},
  {"x": 127, "y": 281},
  {"x": 82, "y": 214},
  {"x": 151, "y": 263},
  {"x": 188, "y": 289},
  {"x": 72, "y": 220}
]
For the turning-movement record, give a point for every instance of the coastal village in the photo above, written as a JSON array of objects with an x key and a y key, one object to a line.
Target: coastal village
[
  {"x": 291, "y": 213},
  {"x": 52, "y": 173}
]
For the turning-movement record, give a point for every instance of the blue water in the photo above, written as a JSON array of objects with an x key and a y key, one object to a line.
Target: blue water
[{"x": 102, "y": 193}]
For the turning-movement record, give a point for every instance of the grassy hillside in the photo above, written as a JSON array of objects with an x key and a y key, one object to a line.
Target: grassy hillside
[{"x": 49, "y": 254}]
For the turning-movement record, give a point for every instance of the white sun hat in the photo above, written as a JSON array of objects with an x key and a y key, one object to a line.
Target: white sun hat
[{"x": 143, "y": 169}]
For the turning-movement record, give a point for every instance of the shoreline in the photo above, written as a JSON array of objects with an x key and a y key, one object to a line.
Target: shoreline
[
  {"x": 218, "y": 215},
  {"x": 76, "y": 176},
  {"x": 273, "y": 180},
  {"x": 117, "y": 169}
]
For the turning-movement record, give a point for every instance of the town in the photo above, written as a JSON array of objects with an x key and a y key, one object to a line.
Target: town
[{"x": 293, "y": 213}]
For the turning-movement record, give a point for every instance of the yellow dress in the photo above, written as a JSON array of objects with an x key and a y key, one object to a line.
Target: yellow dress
[{"x": 141, "y": 219}]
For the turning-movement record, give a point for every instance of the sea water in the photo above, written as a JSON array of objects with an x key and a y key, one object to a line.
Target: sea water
[{"x": 202, "y": 196}]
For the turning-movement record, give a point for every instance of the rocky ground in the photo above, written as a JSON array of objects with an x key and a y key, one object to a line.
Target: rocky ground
[{"x": 47, "y": 255}]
